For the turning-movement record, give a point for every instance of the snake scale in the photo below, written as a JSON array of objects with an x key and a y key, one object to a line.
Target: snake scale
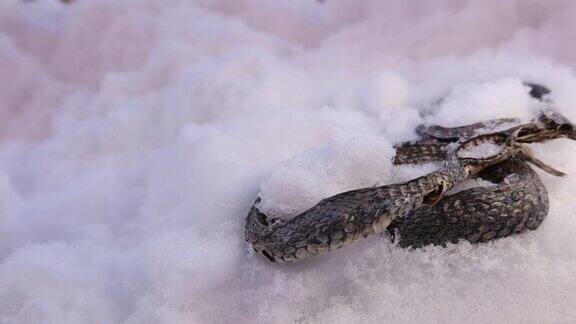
[{"x": 424, "y": 211}]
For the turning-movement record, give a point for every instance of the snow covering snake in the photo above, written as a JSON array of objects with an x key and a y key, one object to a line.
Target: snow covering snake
[{"x": 423, "y": 211}]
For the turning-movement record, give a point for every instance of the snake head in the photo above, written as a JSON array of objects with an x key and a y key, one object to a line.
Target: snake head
[
  {"x": 258, "y": 227},
  {"x": 256, "y": 223}
]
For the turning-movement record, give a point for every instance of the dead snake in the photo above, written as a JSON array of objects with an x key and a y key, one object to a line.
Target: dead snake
[{"x": 420, "y": 211}]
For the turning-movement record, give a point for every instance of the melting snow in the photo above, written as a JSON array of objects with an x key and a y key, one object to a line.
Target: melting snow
[{"x": 479, "y": 151}]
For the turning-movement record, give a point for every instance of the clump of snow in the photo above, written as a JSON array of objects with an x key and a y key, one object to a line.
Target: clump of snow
[
  {"x": 467, "y": 103},
  {"x": 135, "y": 135},
  {"x": 495, "y": 127},
  {"x": 479, "y": 151},
  {"x": 343, "y": 164},
  {"x": 470, "y": 184}
]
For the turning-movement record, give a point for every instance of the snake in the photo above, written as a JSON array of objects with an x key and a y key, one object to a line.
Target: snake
[{"x": 436, "y": 208}]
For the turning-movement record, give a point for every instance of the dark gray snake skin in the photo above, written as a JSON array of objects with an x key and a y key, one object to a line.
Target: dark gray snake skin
[
  {"x": 517, "y": 201},
  {"x": 421, "y": 212}
]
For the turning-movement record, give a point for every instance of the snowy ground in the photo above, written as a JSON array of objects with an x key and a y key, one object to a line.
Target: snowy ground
[{"x": 134, "y": 136}]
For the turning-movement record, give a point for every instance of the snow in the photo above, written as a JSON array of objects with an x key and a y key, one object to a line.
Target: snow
[
  {"x": 496, "y": 127},
  {"x": 473, "y": 183},
  {"x": 479, "y": 151},
  {"x": 135, "y": 135}
]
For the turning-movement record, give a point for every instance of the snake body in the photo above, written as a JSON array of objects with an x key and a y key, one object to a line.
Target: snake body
[
  {"x": 344, "y": 218},
  {"x": 422, "y": 211},
  {"x": 512, "y": 200},
  {"x": 517, "y": 201}
]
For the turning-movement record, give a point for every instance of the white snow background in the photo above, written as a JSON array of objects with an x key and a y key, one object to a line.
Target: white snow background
[{"x": 135, "y": 135}]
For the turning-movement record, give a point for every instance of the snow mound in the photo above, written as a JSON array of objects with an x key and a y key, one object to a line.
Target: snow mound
[{"x": 135, "y": 135}]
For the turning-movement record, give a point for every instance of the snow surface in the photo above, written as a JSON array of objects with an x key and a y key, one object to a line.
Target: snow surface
[
  {"x": 135, "y": 134},
  {"x": 477, "y": 151},
  {"x": 475, "y": 183}
]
